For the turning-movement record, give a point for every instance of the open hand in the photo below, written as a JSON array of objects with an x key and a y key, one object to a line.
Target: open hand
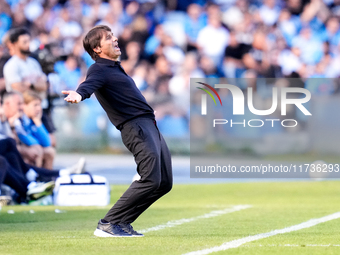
[{"x": 73, "y": 97}]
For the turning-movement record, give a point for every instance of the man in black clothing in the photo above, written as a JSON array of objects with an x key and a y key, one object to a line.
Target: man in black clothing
[{"x": 128, "y": 110}]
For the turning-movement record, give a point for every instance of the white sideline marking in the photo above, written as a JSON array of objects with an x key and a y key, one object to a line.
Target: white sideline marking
[
  {"x": 292, "y": 245},
  {"x": 174, "y": 223},
  {"x": 238, "y": 242}
]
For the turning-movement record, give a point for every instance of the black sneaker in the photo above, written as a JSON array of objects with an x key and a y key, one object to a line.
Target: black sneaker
[
  {"x": 129, "y": 229},
  {"x": 109, "y": 230}
]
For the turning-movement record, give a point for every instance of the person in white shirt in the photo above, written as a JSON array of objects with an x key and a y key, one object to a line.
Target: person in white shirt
[
  {"x": 213, "y": 39},
  {"x": 22, "y": 72},
  {"x": 269, "y": 12}
]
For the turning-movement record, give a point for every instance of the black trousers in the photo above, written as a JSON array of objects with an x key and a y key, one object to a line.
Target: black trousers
[
  {"x": 142, "y": 137},
  {"x": 8, "y": 149},
  {"x": 13, "y": 178}
]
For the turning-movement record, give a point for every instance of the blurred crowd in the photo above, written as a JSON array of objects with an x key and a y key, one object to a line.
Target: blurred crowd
[{"x": 165, "y": 43}]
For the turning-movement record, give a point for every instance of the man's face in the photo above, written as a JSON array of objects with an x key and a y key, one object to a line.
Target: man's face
[
  {"x": 13, "y": 105},
  {"x": 109, "y": 47},
  {"x": 23, "y": 44}
]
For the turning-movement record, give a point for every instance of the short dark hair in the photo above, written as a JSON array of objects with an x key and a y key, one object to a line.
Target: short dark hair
[
  {"x": 16, "y": 32},
  {"x": 93, "y": 38}
]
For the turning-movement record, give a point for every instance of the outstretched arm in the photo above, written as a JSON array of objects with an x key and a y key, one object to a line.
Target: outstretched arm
[{"x": 73, "y": 97}]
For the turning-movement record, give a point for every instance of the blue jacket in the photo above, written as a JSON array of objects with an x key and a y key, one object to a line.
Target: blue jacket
[{"x": 29, "y": 134}]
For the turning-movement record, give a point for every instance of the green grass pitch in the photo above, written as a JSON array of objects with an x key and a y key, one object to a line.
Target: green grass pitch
[{"x": 275, "y": 205}]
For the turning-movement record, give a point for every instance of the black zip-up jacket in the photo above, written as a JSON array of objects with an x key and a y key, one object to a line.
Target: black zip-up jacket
[{"x": 116, "y": 92}]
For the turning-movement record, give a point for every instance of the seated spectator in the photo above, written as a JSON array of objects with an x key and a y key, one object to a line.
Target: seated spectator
[
  {"x": 85, "y": 59},
  {"x": 288, "y": 25},
  {"x": 258, "y": 57},
  {"x": 32, "y": 151},
  {"x": 25, "y": 189},
  {"x": 163, "y": 67},
  {"x": 9, "y": 151},
  {"x": 112, "y": 22},
  {"x": 289, "y": 61},
  {"x": 332, "y": 31},
  {"x": 139, "y": 28},
  {"x": 5, "y": 18},
  {"x": 77, "y": 10},
  {"x": 22, "y": 177},
  {"x": 209, "y": 68},
  {"x": 117, "y": 9},
  {"x": 233, "y": 57},
  {"x": 139, "y": 75},
  {"x": 309, "y": 45},
  {"x": 179, "y": 88},
  {"x": 162, "y": 95},
  {"x": 194, "y": 22},
  {"x": 269, "y": 13},
  {"x": 214, "y": 48},
  {"x": 133, "y": 50},
  {"x": 69, "y": 71},
  {"x": 154, "y": 41},
  {"x": 172, "y": 52},
  {"x": 35, "y": 132},
  {"x": 69, "y": 29},
  {"x": 236, "y": 14},
  {"x": 98, "y": 10}
]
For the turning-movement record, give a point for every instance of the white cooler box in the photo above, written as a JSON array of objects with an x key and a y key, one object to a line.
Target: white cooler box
[{"x": 81, "y": 190}]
